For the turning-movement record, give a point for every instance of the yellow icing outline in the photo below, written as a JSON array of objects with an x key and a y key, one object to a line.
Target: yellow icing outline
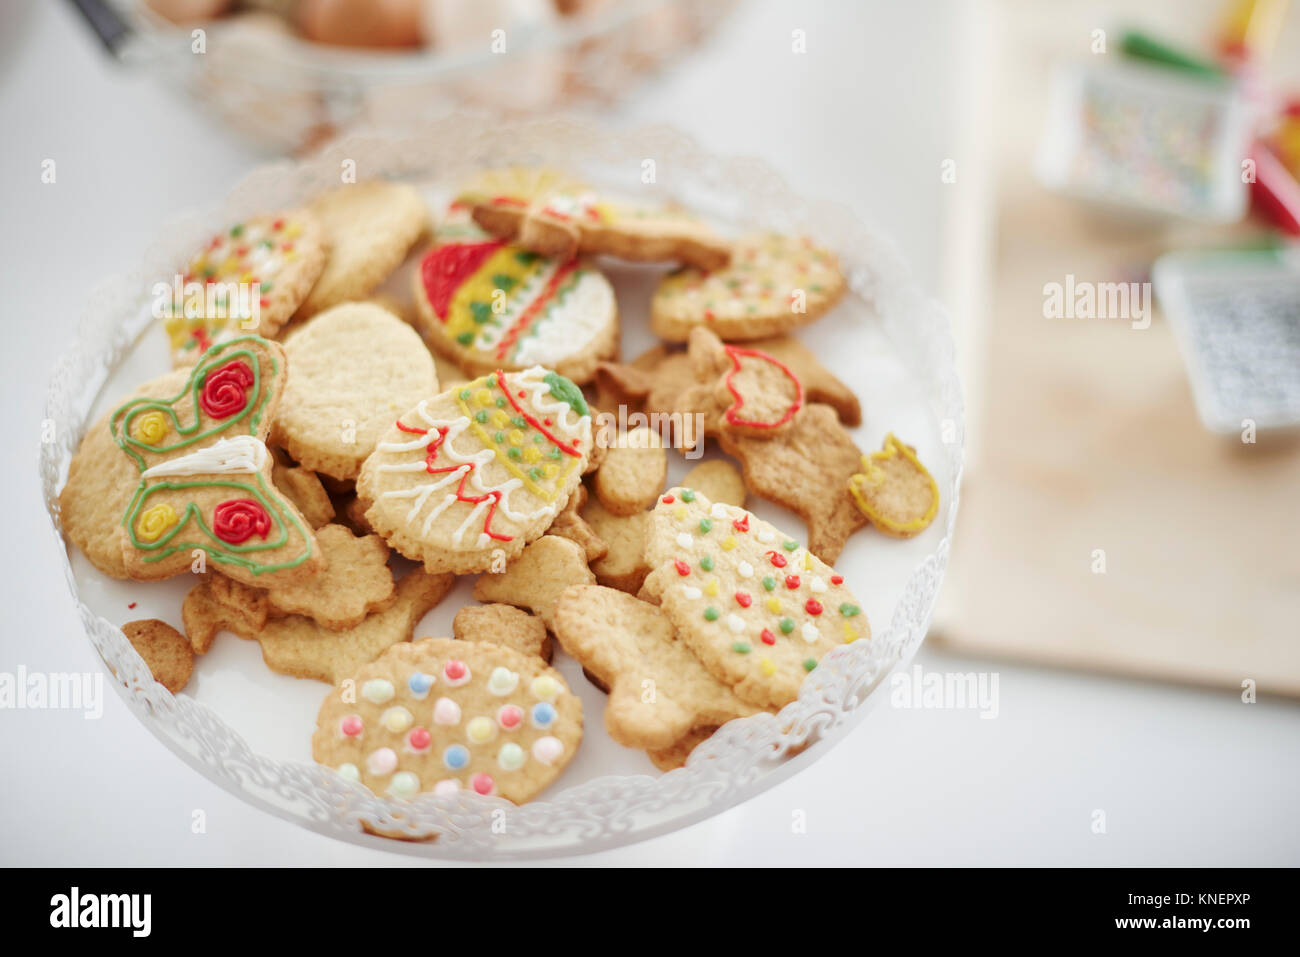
[
  {"x": 480, "y": 286},
  {"x": 501, "y": 457},
  {"x": 873, "y": 475}
]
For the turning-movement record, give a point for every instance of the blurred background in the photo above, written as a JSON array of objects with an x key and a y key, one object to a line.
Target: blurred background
[{"x": 1103, "y": 194}]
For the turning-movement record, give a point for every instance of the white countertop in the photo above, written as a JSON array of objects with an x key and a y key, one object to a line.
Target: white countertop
[{"x": 1183, "y": 776}]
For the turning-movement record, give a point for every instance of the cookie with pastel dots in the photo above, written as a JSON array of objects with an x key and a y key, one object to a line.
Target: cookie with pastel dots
[
  {"x": 895, "y": 490},
  {"x": 489, "y": 305},
  {"x": 758, "y": 609},
  {"x": 332, "y": 413},
  {"x": 465, "y": 480},
  {"x": 658, "y": 689},
  {"x": 205, "y": 493},
  {"x": 440, "y": 715},
  {"x": 299, "y": 646},
  {"x": 249, "y": 278},
  {"x": 370, "y": 228},
  {"x": 773, "y": 283},
  {"x": 551, "y": 213}
]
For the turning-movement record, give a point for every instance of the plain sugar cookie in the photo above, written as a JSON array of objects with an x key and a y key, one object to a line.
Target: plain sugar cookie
[
  {"x": 354, "y": 369},
  {"x": 369, "y": 227}
]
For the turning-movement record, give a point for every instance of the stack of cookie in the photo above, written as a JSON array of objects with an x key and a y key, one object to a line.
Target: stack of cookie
[{"x": 302, "y": 449}]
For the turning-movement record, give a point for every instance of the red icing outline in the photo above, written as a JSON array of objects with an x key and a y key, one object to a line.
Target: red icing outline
[
  {"x": 431, "y": 455},
  {"x": 532, "y": 420},
  {"x": 735, "y": 352}
]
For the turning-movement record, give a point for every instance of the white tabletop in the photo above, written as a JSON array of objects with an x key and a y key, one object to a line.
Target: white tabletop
[{"x": 1182, "y": 776}]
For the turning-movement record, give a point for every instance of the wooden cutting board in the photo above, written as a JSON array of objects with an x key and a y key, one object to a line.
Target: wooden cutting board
[{"x": 1101, "y": 526}]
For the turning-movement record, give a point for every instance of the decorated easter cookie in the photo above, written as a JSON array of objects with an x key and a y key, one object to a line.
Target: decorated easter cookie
[
  {"x": 755, "y": 607},
  {"x": 101, "y": 481},
  {"x": 249, "y": 278},
  {"x": 370, "y": 227},
  {"x": 895, "y": 491},
  {"x": 488, "y": 305},
  {"x": 333, "y": 412},
  {"x": 205, "y": 492},
  {"x": 550, "y": 213},
  {"x": 469, "y": 478},
  {"x": 629, "y": 645},
  {"x": 441, "y": 715},
  {"x": 773, "y": 284},
  {"x": 297, "y": 645}
]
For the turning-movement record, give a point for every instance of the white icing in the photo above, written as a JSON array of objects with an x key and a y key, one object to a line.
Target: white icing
[
  {"x": 817, "y": 585},
  {"x": 569, "y": 324},
  {"x": 691, "y": 592},
  {"x": 239, "y": 453},
  {"x": 735, "y": 623},
  {"x": 810, "y": 632},
  {"x": 745, "y": 570},
  {"x": 685, "y": 540},
  {"x": 568, "y": 425}
]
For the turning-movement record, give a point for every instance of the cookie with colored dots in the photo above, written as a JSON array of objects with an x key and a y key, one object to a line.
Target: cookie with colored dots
[
  {"x": 249, "y": 278},
  {"x": 205, "y": 492},
  {"x": 535, "y": 579},
  {"x": 549, "y": 213},
  {"x": 101, "y": 481},
  {"x": 633, "y": 473},
  {"x": 440, "y": 715},
  {"x": 489, "y": 305},
  {"x": 332, "y": 413},
  {"x": 370, "y": 228},
  {"x": 895, "y": 490},
  {"x": 757, "y": 608},
  {"x": 164, "y": 650},
  {"x": 503, "y": 625},
  {"x": 658, "y": 689},
  {"x": 465, "y": 480},
  {"x": 773, "y": 283},
  {"x": 354, "y": 582},
  {"x": 300, "y": 647}
]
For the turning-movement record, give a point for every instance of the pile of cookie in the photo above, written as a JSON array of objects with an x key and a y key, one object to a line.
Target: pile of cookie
[{"x": 299, "y": 464}]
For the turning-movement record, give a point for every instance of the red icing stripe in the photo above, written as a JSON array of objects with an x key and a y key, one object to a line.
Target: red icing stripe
[
  {"x": 531, "y": 419},
  {"x": 534, "y": 308},
  {"x": 735, "y": 352},
  {"x": 446, "y": 268}
]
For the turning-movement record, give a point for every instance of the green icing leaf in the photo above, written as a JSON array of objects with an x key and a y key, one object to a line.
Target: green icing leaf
[{"x": 566, "y": 392}]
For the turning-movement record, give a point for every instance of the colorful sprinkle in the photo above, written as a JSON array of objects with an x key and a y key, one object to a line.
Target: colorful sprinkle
[
  {"x": 543, "y": 715},
  {"x": 480, "y": 730},
  {"x": 768, "y": 666},
  {"x": 849, "y": 610},
  {"x": 446, "y": 712},
  {"x": 682, "y": 568},
  {"x": 813, "y": 606},
  {"x": 809, "y": 664},
  {"x": 810, "y": 632},
  {"x": 456, "y": 756},
  {"x": 792, "y": 582},
  {"x": 777, "y": 559},
  {"x": 545, "y": 687},
  {"x": 511, "y": 757},
  {"x": 688, "y": 495},
  {"x": 351, "y": 725},
  {"x": 710, "y": 613},
  {"x": 510, "y": 716},
  {"x": 483, "y": 784},
  {"x": 378, "y": 690},
  {"x": 456, "y": 672},
  {"x": 744, "y": 599},
  {"x": 837, "y": 579},
  {"x": 503, "y": 681},
  {"x": 769, "y": 582},
  {"x": 767, "y": 637},
  {"x": 707, "y": 563},
  {"x": 741, "y": 648},
  {"x": 547, "y": 750},
  {"x": 381, "y": 761},
  {"x": 706, "y": 526},
  {"x": 397, "y": 719},
  {"x": 786, "y": 626},
  {"x": 745, "y": 570},
  {"x": 419, "y": 739},
  {"x": 405, "y": 785},
  {"x": 419, "y": 684},
  {"x": 348, "y": 771},
  {"x": 692, "y": 593}
]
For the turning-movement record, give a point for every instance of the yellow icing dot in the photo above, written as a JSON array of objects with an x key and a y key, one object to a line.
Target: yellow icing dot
[
  {"x": 150, "y": 428},
  {"x": 479, "y": 730},
  {"x": 681, "y": 513},
  {"x": 768, "y": 666},
  {"x": 850, "y": 633},
  {"x": 293, "y": 231},
  {"x": 397, "y": 719},
  {"x": 500, "y": 419},
  {"x": 711, "y": 589},
  {"x": 483, "y": 397},
  {"x": 773, "y": 606},
  {"x": 544, "y": 687},
  {"x": 807, "y": 561},
  {"x": 515, "y": 437},
  {"x": 532, "y": 454},
  {"x": 154, "y": 522},
  {"x": 548, "y": 471},
  {"x": 729, "y": 543}
]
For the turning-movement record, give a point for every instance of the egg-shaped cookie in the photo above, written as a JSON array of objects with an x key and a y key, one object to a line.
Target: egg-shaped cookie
[
  {"x": 490, "y": 305},
  {"x": 353, "y": 369}
]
